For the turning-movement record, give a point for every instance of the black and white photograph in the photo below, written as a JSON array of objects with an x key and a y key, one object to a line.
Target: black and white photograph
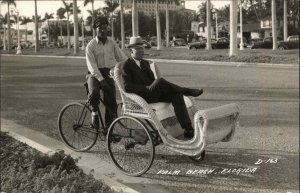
[{"x": 149, "y": 96}]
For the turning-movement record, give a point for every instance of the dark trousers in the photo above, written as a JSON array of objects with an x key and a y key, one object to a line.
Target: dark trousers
[
  {"x": 163, "y": 91},
  {"x": 109, "y": 95}
]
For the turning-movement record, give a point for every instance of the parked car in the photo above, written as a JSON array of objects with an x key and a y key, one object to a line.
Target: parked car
[
  {"x": 178, "y": 42},
  {"x": 26, "y": 44},
  {"x": 146, "y": 44},
  {"x": 244, "y": 42},
  {"x": 292, "y": 42},
  {"x": 197, "y": 45},
  {"x": 15, "y": 46},
  {"x": 266, "y": 43},
  {"x": 221, "y": 43}
]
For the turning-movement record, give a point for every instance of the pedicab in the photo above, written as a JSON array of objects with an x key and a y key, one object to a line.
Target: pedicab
[{"x": 133, "y": 136}]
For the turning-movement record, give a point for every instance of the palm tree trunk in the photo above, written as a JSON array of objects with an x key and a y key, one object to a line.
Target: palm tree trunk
[
  {"x": 93, "y": 19},
  {"x": 208, "y": 24},
  {"x": 158, "y": 30},
  {"x": 48, "y": 31},
  {"x": 8, "y": 28},
  {"x": 37, "y": 46},
  {"x": 285, "y": 22},
  {"x": 112, "y": 27},
  {"x": 61, "y": 38},
  {"x": 26, "y": 31},
  {"x": 76, "y": 33},
  {"x": 274, "y": 26},
  {"x": 167, "y": 24},
  {"x": 134, "y": 20},
  {"x": 233, "y": 51},
  {"x": 4, "y": 39},
  {"x": 122, "y": 26},
  {"x": 68, "y": 32}
]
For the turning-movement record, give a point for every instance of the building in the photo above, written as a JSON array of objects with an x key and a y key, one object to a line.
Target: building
[{"x": 148, "y": 6}]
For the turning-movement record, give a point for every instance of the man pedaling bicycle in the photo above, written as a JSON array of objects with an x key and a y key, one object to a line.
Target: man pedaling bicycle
[{"x": 102, "y": 53}]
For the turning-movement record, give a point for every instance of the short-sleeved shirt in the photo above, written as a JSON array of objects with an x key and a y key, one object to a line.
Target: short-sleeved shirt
[{"x": 99, "y": 55}]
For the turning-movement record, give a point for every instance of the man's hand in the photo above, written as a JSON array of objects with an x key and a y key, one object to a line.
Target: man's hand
[{"x": 104, "y": 85}]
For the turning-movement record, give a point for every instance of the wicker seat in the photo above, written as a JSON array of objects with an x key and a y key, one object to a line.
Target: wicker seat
[{"x": 210, "y": 125}]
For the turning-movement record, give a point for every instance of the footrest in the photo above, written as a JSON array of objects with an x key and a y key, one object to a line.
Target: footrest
[{"x": 217, "y": 124}]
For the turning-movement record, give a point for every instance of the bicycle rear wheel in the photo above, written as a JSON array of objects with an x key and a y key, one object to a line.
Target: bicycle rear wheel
[
  {"x": 74, "y": 126},
  {"x": 130, "y": 146}
]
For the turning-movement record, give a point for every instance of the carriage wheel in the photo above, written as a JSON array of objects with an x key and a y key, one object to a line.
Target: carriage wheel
[
  {"x": 74, "y": 126},
  {"x": 198, "y": 158},
  {"x": 130, "y": 146}
]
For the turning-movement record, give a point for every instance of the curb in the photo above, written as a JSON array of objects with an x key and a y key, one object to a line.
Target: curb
[
  {"x": 213, "y": 63},
  {"x": 85, "y": 163}
]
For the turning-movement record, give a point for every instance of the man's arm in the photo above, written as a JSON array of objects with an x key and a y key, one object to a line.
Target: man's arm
[{"x": 91, "y": 63}]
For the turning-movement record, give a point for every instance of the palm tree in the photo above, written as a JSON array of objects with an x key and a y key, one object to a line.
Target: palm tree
[
  {"x": 92, "y": 12},
  {"x": 61, "y": 15},
  {"x": 122, "y": 26},
  {"x": 24, "y": 21},
  {"x": 37, "y": 47},
  {"x": 208, "y": 24},
  {"x": 8, "y": 2},
  {"x": 274, "y": 26},
  {"x": 134, "y": 13},
  {"x": 68, "y": 9},
  {"x": 233, "y": 51},
  {"x": 285, "y": 22},
  {"x": 46, "y": 18},
  {"x": 158, "y": 30},
  {"x": 168, "y": 20},
  {"x": 4, "y": 23},
  {"x": 96, "y": 13},
  {"x": 76, "y": 33},
  {"x": 111, "y": 6}
]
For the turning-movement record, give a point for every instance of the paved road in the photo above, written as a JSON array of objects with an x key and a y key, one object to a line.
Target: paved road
[{"x": 34, "y": 89}]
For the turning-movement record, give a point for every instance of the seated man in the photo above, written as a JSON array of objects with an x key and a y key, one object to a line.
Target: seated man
[{"x": 139, "y": 79}]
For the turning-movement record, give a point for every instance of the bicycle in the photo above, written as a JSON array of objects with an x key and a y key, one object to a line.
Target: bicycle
[{"x": 75, "y": 128}]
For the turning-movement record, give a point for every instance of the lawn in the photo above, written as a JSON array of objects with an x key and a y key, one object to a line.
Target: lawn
[{"x": 247, "y": 55}]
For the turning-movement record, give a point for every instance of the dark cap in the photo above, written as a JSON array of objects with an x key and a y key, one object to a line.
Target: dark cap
[{"x": 100, "y": 21}]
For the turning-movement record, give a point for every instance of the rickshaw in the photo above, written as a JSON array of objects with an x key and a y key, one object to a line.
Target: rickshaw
[{"x": 132, "y": 137}]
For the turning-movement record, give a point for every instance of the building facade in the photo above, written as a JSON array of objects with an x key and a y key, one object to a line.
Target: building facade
[{"x": 148, "y": 6}]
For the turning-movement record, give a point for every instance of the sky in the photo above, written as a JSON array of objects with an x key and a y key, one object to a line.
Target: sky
[{"x": 26, "y": 7}]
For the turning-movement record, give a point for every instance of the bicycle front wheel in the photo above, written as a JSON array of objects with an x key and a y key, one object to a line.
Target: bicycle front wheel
[
  {"x": 130, "y": 146},
  {"x": 74, "y": 126}
]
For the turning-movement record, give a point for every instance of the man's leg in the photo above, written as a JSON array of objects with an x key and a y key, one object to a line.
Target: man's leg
[
  {"x": 93, "y": 97},
  {"x": 166, "y": 87},
  {"x": 163, "y": 91},
  {"x": 179, "y": 108},
  {"x": 110, "y": 102}
]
